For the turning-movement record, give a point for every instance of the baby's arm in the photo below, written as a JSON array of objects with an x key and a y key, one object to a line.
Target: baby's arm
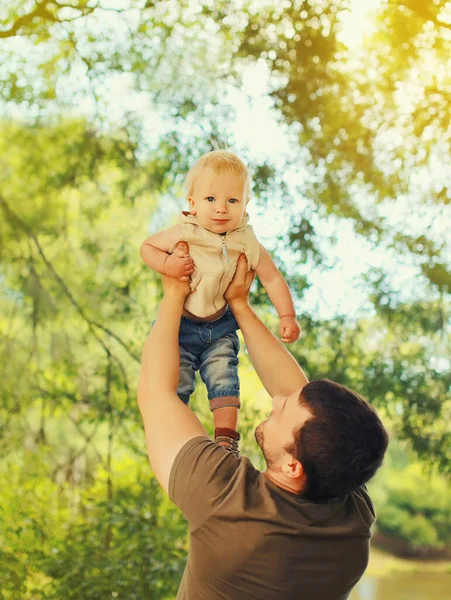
[
  {"x": 154, "y": 252},
  {"x": 279, "y": 294}
]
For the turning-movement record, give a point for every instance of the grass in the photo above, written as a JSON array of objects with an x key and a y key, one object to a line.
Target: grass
[{"x": 382, "y": 563}]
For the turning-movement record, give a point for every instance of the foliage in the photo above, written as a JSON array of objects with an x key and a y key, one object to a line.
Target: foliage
[
  {"x": 81, "y": 175},
  {"x": 412, "y": 505},
  {"x": 65, "y": 540},
  {"x": 365, "y": 124}
]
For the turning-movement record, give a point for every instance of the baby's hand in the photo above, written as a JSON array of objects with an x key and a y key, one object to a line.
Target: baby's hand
[
  {"x": 289, "y": 329},
  {"x": 179, "y": 265}
]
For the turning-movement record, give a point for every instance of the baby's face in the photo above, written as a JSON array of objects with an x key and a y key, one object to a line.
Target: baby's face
[{"x": 218, "y": 200}]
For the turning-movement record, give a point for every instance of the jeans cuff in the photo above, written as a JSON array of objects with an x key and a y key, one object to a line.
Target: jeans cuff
[{"x": 231, "y": 400}]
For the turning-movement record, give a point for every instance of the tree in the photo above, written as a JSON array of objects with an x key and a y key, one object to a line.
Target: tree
[{"x": 77, "y": 193}]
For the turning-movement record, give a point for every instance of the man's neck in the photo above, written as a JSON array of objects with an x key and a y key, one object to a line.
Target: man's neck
[{"x": 293, "y": 486}]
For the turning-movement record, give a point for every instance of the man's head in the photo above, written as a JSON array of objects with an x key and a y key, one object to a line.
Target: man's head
[
  {"x": 325, "y": 439},
  {"x": 218, "y": 189}
]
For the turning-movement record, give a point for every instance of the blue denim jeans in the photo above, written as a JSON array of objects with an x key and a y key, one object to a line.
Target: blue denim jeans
[{"x": 211, "y": 348}]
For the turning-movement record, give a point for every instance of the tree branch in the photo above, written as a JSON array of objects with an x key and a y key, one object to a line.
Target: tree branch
[{"x": 91, "y": 324}]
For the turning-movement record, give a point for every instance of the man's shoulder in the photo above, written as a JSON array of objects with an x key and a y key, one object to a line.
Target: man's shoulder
[
  {"x": 363, "y": 500},
  {"x": 201, "y": 453},
  {"x": 203, "y": 475}
]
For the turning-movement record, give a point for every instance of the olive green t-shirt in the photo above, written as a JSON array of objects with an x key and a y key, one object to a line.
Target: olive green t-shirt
[{"x": 251, "y": 540}]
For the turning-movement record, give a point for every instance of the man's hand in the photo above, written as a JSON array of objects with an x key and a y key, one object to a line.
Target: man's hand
[
  {"x": 179, "y": 265},
  {"x": 175, "y": 287},
  {"x": 289, "y": 329},
  {"x": 240, "y": 285}
]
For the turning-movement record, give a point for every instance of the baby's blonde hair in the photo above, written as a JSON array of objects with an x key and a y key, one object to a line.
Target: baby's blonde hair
[{"x": 221, "y": 161}]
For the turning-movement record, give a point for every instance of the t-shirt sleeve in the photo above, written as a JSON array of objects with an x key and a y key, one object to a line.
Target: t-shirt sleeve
[
  {"x": 201, "y": 477},
  {"x": 366, "y": 504}
]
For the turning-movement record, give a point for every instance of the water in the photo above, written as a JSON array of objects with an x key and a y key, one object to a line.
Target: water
[{"x": 406, "y": 586}]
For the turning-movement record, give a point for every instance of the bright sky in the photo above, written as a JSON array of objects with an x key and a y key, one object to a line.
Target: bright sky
[
  {"x": 255, "y": 122},
  {"x": 356, "y": 22},
  {"x": 257, "y": 130}
]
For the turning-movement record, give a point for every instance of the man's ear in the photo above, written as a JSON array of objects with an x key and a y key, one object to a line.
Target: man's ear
[
  {"x": 293, "y": 468},
  {"x": 192, "y": 206}
]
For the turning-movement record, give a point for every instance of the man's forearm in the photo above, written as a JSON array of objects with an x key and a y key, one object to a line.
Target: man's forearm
[
  {"x": 161, "y": 355},
  {"x": 169, "y": 424},
  {"x": 277, "y": 369},
  {"x": 154, "y": 258}
]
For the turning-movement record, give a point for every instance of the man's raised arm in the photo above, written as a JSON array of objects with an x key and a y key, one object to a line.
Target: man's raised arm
[
  {"x": 276, "y": 367},
  {"x": 168, "y": 423}
]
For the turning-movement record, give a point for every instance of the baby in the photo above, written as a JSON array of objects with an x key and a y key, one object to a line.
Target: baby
[{"x": 217, "y": 232}]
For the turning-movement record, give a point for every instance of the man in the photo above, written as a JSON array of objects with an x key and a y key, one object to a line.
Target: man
[{"x": 301, "y": 529}]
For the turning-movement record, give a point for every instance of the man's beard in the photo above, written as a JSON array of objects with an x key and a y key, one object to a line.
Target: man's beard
[
  {"x": 260, "y": 436},
  {"x": 260, "y": 439},
  {"x": 272, "y": 457}
]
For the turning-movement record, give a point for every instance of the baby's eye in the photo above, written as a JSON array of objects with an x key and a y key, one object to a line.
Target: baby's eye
[
  {"x": 210, "y": 199},
  {"x": 233, "y": 200}
]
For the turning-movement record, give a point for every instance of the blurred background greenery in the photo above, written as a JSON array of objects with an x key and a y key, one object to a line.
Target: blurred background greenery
[{"x": 344, "y": 117}]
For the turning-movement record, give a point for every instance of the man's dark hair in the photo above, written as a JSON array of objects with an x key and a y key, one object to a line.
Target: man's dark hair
[{"x": 342, "y": 445}]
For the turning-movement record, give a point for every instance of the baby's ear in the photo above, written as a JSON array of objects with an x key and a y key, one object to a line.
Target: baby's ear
[{"x": 192, "y": 206}]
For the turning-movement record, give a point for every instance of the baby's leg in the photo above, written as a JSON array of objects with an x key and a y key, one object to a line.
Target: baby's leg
[
  {"x": 189, "y": 364},
  {"x": 227, "y": 415},
  {"x": 219, "y": 371}
]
